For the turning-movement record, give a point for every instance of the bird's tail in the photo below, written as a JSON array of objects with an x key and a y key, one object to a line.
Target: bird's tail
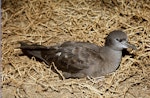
[
  {"x": 24, "y": 45},
  {"x": 33, "y": 50}
]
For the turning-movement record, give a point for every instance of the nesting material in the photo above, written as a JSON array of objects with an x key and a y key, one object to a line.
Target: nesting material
[{"x": 48, "y": 22}]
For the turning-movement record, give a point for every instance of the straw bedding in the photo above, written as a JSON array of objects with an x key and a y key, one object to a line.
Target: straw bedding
[{"x": 49, "y": 22}]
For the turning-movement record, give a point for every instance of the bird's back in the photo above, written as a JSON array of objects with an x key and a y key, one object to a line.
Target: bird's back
[{"x": 72, "y": 56}]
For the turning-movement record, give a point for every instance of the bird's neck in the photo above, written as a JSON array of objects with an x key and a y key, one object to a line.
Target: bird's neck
[{"x": 113, "y": 59}]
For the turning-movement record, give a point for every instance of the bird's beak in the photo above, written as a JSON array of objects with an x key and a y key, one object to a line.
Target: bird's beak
[{"x": 130, "y": 46}]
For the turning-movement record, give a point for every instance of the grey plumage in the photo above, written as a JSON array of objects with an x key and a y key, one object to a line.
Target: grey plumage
[{"x": 81, "y": 59}]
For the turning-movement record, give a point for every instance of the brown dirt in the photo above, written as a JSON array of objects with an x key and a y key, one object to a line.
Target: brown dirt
[{"x": 48, "y": 22}]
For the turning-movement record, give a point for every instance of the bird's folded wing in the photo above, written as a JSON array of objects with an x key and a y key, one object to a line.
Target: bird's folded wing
[
  {"x": 24, "y": 45},
  {"x": 72, "y": 57}
]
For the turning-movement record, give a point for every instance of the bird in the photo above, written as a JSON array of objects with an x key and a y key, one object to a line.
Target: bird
[{"x": 81, "y": 59}]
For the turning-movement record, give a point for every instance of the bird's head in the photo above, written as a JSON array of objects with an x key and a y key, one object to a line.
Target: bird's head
[{"x": 118, "y": 40}]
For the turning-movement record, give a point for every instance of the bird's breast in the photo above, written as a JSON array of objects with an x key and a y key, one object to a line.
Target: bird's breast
[{"x": 112, "y": 61}]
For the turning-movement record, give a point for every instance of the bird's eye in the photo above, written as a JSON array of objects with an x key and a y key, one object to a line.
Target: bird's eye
[{"x": 119, "y": 40}]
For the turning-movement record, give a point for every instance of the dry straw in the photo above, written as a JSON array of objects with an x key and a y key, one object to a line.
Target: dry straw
[{"x": 48, "y": 22}]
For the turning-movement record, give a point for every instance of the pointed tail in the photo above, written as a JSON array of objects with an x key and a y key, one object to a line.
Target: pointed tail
[{"x": 33, "y": 50}]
